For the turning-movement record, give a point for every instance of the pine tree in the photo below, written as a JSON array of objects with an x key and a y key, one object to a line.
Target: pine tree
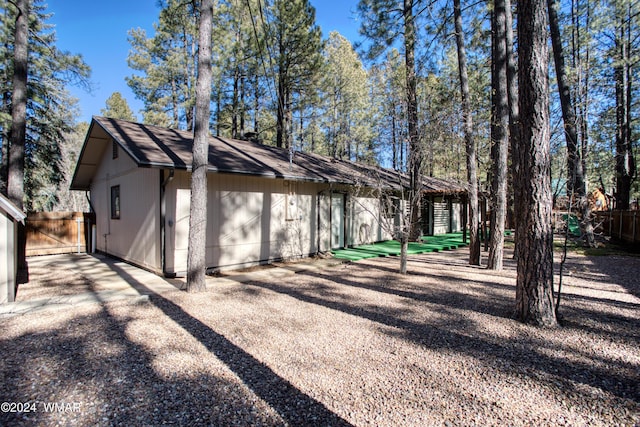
[
  {"x": 296, "y": 45},
  {"x": 625, "y": 33},
  {"x": 383, "y": 22},
  {"x": 118, "y": 108},
  {"x": 167, "y": 63},
  {"x": 50, "y": 111},
  {"x": 18, "y": 129},
  {"x": 575, "y": 167},
  {"x": 470, "y": 144},
  {"x": 346, "y": 99},
  {"x": 534, "y": 283},
  {"x": 197, "y": 244},
  {"x": 499, "y": 136}
]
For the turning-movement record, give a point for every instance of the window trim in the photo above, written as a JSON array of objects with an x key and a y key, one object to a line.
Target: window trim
[{"x": 116, "y": 206}]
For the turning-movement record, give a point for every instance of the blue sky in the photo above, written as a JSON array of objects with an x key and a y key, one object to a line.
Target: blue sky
[{"x": 98, "y": 31}]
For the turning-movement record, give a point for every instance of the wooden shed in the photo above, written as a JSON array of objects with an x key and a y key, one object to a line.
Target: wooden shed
[{"x": 10, "y": 217}]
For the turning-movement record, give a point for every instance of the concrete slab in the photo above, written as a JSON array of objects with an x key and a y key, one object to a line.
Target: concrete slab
[{"x": 119, "y": 280}]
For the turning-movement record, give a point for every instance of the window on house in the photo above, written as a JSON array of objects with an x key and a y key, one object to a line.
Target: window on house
[
  {"x": 114, "y": 149},
  {"x": 115, "y": 202}
]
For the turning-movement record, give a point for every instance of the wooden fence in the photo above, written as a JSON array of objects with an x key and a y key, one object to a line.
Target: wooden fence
[
  {"x": 622, "y": 225},
  {"x": 58, "y": 232}
]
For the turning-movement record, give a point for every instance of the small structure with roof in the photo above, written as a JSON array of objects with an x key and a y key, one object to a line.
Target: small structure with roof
[
  {"x": 263, "y": 204},
  {"x": 10, "y": 217}
]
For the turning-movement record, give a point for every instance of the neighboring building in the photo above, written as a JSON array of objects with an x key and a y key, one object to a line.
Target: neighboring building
[
  {"x": 10, "y": 216},
  {"x": 264, "y": 203}
]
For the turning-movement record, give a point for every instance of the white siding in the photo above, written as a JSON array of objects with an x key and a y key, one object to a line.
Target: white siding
[
  {"x": 364, "y": 224},
  {"x": 440, "y": 216},
  {"x": 253, "y": 220},
  {"x": 249, "y": 220},
  {"x": 456, "y": 217},
  {"x": 8, "y": 230},
  {"x": 135, "y": 236},
  {"x": 325, "y": 221},
  {"x": 337, "y": 220}
]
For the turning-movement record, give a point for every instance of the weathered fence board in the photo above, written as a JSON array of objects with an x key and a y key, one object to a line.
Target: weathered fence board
[
  {"x": 51, "y": 233},
  {"x": 622, "y": 225}
]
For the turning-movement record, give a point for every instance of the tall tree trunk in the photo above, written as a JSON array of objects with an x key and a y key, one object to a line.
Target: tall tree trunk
[
  {"x": 242, "y": 106},
  {"x": 18, "y": 132},
  {"x": 175, "y": 105},
  {"x": 470, "y": 144},
  {"x": 576, "y": 184},
  {"x": 415, "y": 153},
  {"x": 196, "y": 258},
  {"x": 582, "y": 92},
  {"x": 15, "y": 184},
  {"x": 534, "y": 283},
  {"x": 499, "y": 137},
  {"x": 256, "y": 108},
  {"x": 625, "y": 162},
  {"x": 281, "y": 132},
  {"x": 404, "y": 247},
  {"x": 235, "y": 98},
  {"x": 514, "y": 116},
  {"x": 234, "y": 102},
  {"x": 4, "y": 141},
  {"x": 394, "y": 143},
  {"x": 219, "y": 106},
  {"x": 281, "y": 127}
]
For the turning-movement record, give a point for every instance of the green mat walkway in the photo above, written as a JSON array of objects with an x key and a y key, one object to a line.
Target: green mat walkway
[{"x": 441, "y": 242}]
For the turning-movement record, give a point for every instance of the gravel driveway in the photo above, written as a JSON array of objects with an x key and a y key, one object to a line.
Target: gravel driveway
[{"x": 354, "y": 344}]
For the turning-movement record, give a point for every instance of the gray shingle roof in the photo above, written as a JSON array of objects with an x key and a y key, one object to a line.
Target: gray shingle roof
[{"x": 154, "y": 146}]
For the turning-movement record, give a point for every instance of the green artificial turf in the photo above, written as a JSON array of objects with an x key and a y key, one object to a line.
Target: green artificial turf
[{"x": 437, "y": 243}]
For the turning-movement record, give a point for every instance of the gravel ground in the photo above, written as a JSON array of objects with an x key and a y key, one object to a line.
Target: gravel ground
[{"x": 354, "y": 344}]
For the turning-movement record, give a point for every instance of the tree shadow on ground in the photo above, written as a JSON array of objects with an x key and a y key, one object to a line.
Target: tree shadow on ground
[
  {"x": 97, "y": 363},
  {"x": 112, "y": 380},
  {"x": 454, "y": 330},
  {"x": 291, "y": 404},
  {"x": 621, "y": 270}
]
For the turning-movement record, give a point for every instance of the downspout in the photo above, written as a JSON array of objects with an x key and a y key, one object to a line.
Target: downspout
[
  {"x": 347, "y": 220},
  {"x": 164, "y": 181},
  {"x": 318, "y": 219},
  {"x": 91, "y": 232}
]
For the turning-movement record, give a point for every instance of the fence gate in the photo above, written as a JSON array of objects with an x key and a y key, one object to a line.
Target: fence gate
[{"x": 51, "y": 233}]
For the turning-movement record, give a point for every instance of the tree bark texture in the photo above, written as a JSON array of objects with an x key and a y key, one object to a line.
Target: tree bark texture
[
  {"x": 415, "y": 153},
  {"x": 404, "y": 248},
  {"x": 15, "y": 180},
  {"x": 514, "y": 116},
  {"x": 499, "y": 136},
  {"x": 18, "y": 132},
  {"x": 625, "y": 162},
  {"x": 470, "y": 144},
  {"x": 534, "y": 284},
  {"x": 196, "y": 258},
  {"x": 281, "y": 128}
]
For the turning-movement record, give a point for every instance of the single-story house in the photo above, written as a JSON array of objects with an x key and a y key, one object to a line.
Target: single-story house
[
  {"x": 264, "y": 203},
  {"x": 10, "y": 217}
]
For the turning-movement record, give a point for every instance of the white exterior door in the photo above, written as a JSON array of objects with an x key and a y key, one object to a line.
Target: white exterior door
[{"x": 337, "y": 221}]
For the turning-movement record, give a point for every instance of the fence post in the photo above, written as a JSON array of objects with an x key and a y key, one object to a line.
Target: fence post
[
  {"x": 635, "y": 213},
  {"x": 78, "y": 222},
  {"x": 610, "y": 221},
  {"x": 620, "y": 228}
]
